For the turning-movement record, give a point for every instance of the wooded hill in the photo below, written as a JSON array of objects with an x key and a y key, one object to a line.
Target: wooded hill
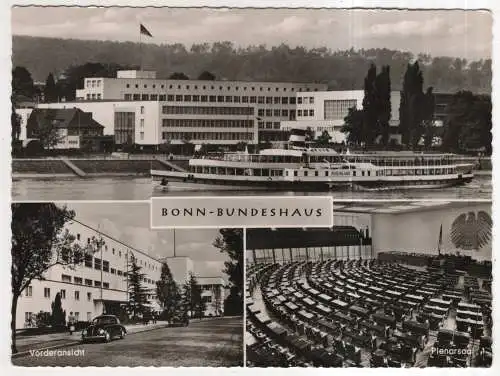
[{"x": 341, "y": 70}]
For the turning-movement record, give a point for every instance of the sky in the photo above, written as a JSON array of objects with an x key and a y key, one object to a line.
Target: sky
[
  {"x": 129, "y": 223},
  {"x": 456, "y": 33}
]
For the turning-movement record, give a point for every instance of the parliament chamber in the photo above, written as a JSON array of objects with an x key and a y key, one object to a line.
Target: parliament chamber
[{"x": 326, "y": 298}]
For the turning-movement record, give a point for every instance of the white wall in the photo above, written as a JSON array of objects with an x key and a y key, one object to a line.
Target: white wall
[
  {"x": 418, "y": 231},
  {"x": 104, "y": 113},
  {"x": 113, "y": 252}
]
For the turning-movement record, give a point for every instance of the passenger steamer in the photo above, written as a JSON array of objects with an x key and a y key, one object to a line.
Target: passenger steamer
[{"x": 303, "y": 168}]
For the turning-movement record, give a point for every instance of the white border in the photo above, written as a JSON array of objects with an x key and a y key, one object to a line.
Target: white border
[{"x": 6, "y": 180}]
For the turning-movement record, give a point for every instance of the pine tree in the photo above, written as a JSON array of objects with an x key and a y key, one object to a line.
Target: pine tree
[
  {"x": 353, "y": 126},
  {"x": 50, "y": 91},
  {"x": 192, "y": 297},
  {"x": 138, "y": 294},
  {"x": 413, "y": 108},
  {"x": 383, "y": 103},
  {"x": 58, "y": 316},
  {"x": 370, "y": 124},
  {"x": 168, "y": 293}
]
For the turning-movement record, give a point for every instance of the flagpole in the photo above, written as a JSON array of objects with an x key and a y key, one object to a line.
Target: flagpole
[{"x": 140, "y": 47}]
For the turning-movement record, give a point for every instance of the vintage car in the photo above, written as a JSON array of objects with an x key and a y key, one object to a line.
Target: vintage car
[
  {"x": 179, "y": 320},
  {"x": 105, "y": 328}
]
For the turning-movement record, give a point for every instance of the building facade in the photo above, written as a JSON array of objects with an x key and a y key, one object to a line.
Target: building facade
[
  {"x": 325, "y": 111},
  {"x": 98, "y": 283},
  {"x": 196, "y": 111}
]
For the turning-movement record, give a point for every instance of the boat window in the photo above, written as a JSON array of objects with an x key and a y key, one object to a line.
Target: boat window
[
  {"x": 362, "y": 173},
  {"x": 368, "y": 172},
  {"x": 295, "y": 173},
  {"x": 354, "y": 173},
  {"x": 306, "y": 173},
  {"x": 316, "y": 173},
  {"x": 327, "y": 173}
]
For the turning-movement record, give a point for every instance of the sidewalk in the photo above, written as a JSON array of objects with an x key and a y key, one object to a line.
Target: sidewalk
[{"x": 27, "y": 343}]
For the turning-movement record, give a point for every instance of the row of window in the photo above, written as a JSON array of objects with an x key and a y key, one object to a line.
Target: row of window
[
  {"x": 269, "y": 125},
  {"x": 93, "y": 83},
  {"x": 191, "y": 110},
  {"x": 305, "y": 113},
  {"x": 93, "y": 96},
  {"x": 203, "y": 98},
  {"x": 227, "y": 136},
  {"x": 207, "y": 123},
  {"x": 146, "y": 264},
  {"x": 311, "y": 254},
  {"x": 76, "y": 294},
  {"x": 230, "y": 99},
  {"x": 211, "y": 87},
  {"x": 276, "y": 112},
  {"x": 305, "y": 100},
  {"x": 98, "y": 265},
  {"x": 62, "y": 292}
]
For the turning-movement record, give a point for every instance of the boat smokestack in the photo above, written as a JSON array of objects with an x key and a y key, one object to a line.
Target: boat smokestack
[{"x": 297, "y": 138}]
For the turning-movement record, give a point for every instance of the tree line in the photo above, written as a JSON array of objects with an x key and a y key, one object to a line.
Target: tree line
[
  {"x": 40, "y": 241},
  {"x": 467, "y": 124},
  {"x": 341, "y": 69}
]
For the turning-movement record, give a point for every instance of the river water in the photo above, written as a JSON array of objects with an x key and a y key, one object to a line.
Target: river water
[{"x": 127, "y": 188}]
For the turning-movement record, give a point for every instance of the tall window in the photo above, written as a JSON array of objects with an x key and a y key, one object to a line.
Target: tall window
[
  {"x": 77, "y": 295},
  {"x": 46, "y": 292},
  {"x": 29, "y": 291},
  {"x": 63, "y": 294},
  {"x": 338, "y": 109}
]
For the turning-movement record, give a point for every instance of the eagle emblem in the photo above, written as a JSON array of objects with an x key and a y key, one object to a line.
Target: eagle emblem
[{"x": 470, "y": 231}]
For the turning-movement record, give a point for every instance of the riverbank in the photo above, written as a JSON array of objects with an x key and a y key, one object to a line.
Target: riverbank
[{"x": 90, "y": 168}]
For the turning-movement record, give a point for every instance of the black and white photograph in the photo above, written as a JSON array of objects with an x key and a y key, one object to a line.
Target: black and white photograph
[
  {"x": 92, "y": 285},
  {"x": 391, "y": 284},
  {"x": 129, "y": 103}
]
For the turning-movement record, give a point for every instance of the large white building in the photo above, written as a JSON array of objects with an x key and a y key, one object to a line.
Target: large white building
[
  {"x": 325, "y": 111},
  {"x": 98, "y": 284},
  {"x": 154, "y": 111}
]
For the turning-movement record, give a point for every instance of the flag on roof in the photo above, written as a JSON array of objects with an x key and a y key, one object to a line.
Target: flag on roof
[{"x": 145, "y": 31}]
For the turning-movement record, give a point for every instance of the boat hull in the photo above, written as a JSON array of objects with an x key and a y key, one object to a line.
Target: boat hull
[{"x": 188, "y": 182}]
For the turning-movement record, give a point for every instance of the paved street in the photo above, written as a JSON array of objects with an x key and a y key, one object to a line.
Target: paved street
[{"x": 209, "y": 343}]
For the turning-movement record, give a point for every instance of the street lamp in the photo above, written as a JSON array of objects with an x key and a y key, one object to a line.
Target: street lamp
[{"x": 99, "y": 245}]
